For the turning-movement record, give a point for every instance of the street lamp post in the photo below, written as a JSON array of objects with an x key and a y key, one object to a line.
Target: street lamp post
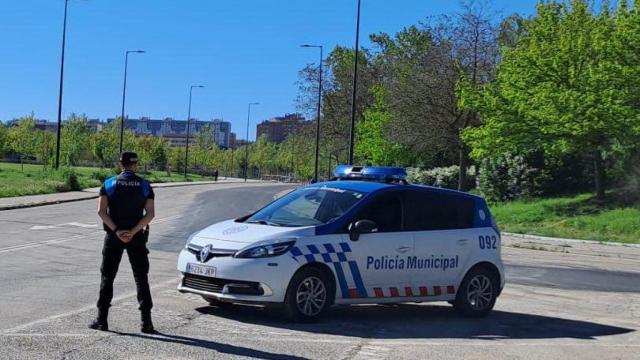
[
  {"x": 315, "y": 171},
  {"x": 59, "y": 128},
  {"x": 186, "y": 153},
  {"x": 355, "y": 88},
  {"x": 246, "y": 150},
  {"x": 124, "y": 93}
]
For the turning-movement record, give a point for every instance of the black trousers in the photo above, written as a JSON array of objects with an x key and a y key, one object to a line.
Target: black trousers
[{"x": 139, "y": 259}]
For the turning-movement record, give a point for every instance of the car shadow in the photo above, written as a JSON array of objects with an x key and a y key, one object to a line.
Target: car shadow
[
  {"x": 422, "y": 321},
  {"x": 212, "y": 345}
]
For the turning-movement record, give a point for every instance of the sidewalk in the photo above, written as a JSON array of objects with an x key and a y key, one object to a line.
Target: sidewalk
[{"x": 19, "y": 202}]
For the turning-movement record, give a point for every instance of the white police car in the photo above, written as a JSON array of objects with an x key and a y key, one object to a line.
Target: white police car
[{"x": 368, "y": 237}]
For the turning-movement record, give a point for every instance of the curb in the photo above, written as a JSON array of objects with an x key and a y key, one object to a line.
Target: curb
[
  {"x": 563, "y": 240},
  {"x": 43, "y": 203},
  {"x": 95, "y": 196}
]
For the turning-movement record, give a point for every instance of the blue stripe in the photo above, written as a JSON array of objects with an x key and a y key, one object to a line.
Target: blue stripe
[
  {"x": 344, "y": 289},
  {"x": 342, "y": 257},
  {"x": 345, "y": 247},
  {"x": 326, "y": 258},
  {"x": 110, "y": 185},
  {"x": 313, "y": 249},
  {"x": 295, "y": 251},
  {"x": 329, "y": 248},
  {"x": 310, "y": 258},
  {"x": 358, "y": 279},
  {"x": 145, "y": 189}
]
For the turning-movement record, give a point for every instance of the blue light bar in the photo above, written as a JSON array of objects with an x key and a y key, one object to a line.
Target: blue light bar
[{"x": 371, "y": 173}]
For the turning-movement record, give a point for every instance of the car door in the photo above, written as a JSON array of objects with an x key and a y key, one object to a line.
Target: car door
[
  {"x": 380, "y": 257},
  {"x": 441, "y": 225}
]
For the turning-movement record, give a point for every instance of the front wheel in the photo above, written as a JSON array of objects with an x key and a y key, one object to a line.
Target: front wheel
[
  {"x": 477, "y": 293},
  {"x": 308, "y": 295}
]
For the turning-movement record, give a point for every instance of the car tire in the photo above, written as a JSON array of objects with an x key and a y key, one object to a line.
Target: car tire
[
  {"x": 309, "y": 295},
  {"x": 477, "y": 293}
]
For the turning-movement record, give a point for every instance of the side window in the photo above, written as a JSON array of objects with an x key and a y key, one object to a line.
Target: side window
[
  {"x": 385, "y": 210},
  {"x": 433, "y": 211}
]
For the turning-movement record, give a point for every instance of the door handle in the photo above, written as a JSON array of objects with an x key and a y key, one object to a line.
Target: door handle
[
  {"x": 403, "y": 249},
  {"x": 462, "y": 242}
]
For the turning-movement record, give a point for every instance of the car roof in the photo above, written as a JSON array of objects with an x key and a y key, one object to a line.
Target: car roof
[{"x": 373, "y": 186}]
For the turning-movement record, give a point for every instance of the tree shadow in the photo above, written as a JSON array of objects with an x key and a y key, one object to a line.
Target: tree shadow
[
  {"x": 212, "y": 345},
  {"x": 422, "y": 321},
  {"x": 615, "y": 199}
]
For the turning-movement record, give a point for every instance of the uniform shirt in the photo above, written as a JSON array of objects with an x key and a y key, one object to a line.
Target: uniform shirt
[{"x": 127, "y": 194}]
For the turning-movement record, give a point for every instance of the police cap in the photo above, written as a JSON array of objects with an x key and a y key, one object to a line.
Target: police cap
[{"x": 128, "y": 157}]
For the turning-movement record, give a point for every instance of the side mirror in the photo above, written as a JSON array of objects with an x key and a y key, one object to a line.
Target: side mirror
[{"x": 361, "y": 227}]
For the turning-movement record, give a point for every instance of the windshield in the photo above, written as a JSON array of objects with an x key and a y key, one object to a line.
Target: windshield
[{"x": 307, "y": 207}]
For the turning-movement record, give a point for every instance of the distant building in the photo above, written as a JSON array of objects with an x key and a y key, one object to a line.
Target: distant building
[
  {"x": 232, "y": 140},
  {"x": 277, "y": 129},
  {"x": 93, "y": 125},
  {"x": 175, "y": 131}
]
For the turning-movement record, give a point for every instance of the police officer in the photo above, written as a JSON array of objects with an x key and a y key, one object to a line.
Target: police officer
[{"x": 126, "y": 207}]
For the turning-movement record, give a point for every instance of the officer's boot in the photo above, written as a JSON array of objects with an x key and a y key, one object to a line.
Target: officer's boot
[
  {"x": 146, "y": 325},
  {"x": 100, "y": 322}
]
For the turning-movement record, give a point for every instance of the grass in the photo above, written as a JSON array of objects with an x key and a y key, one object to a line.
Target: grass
[
  {"x": 35, "y": 180},
  {"x": 617, "y": 218}
]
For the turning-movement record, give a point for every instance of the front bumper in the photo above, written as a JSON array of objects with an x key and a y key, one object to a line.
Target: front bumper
[{"x": 239, "y": 280}]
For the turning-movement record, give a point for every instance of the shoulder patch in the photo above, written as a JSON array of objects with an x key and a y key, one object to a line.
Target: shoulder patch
[
  {"x": 145, "y": 188},
  {"x": 110, "y": 185}
]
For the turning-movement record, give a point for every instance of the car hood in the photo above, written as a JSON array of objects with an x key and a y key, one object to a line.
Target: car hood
[{"x": 231, "y": 235}]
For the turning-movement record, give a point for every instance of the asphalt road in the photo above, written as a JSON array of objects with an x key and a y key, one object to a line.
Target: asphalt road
[{"x": 556, "y": 304}]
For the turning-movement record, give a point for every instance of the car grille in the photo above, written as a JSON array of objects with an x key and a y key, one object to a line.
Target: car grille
[
  {"x": 214, "y": 285},
  {"x": 195, "y": 250}
]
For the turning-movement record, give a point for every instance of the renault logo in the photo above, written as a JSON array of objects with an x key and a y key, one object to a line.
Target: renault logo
[{"x": 204, "y": 253}]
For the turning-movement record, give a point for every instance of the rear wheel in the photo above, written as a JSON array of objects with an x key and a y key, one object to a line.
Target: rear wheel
[
  {"x": 477, "y": 293},
  {"x": 308, "y": 295}
]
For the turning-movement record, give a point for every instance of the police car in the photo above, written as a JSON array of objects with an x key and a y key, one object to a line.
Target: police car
[{"x": 367, "y": 237}]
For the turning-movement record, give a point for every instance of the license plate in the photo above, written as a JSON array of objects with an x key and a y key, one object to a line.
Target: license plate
[{"x": 201, "y": 270}]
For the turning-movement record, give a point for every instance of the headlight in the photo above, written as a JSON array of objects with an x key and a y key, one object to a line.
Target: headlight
[
  {"x": 186, "y": 245},
  {"x": 266, "y": 250}
]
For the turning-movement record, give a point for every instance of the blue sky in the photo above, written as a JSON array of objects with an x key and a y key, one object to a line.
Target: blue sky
[{"x": 241, "y": 50}]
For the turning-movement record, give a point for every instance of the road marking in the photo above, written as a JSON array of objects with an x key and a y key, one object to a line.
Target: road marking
[
  {"x": 46, "y": 242},
  {"x": 43, "y": 227},
  {"x": 78, "y": 311},
  {"x": 69, "y": 238},
  {"x": 75, "y": 224}
]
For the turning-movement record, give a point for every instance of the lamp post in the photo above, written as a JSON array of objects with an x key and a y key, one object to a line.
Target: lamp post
[
  {"x": 315, "y": 171},
  {"x": 186, "y": 153},
  {"x": 246, "y": 149},
  {"x": 59, "y": 128},
  {"x": 355, "y": 88},
  {"x": 124, "y": 93}
]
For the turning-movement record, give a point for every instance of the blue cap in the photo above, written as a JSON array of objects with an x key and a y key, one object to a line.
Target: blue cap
[{"x": 371, "y": 173}]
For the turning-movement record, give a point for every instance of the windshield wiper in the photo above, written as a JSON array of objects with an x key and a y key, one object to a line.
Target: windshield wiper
[{"x": 263, "y": 222}]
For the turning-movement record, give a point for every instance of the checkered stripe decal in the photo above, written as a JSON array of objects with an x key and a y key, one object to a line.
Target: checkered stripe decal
[
  {"x": 347, "y": 271},
  {"x": 349, "y": 277}
]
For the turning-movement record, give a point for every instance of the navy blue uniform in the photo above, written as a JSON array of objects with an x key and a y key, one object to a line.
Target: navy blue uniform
[{"x": 127, "y": 194}]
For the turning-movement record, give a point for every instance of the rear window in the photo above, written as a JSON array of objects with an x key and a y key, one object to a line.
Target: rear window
[{"x": 433, "y": 211}]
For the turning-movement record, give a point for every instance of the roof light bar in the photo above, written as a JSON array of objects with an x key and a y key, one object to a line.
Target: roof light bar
[{"x": 370, "y": 173}]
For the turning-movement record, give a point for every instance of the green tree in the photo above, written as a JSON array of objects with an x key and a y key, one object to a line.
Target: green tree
[
  {"x": 371, "y": 143},
  {"x": 74, "y": 139},
  {"x": 4, "y": 134},
  {"x": 22, "y": 140},
  {"x": 563, "y": 87}
]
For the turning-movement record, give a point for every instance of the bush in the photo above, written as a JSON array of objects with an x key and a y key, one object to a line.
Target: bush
[
  {"x": 445, "y": 177},
  {"x": 70, "y": 178},
  {"x": 101, "y": 175},
  {"x": 508, "y": 177}
]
